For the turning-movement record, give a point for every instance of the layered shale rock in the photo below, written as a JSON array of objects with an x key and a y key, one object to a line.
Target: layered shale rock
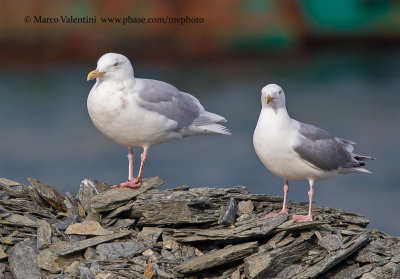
[{"x": 180, "y": 233}]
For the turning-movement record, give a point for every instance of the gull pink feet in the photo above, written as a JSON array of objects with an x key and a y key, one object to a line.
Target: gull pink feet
[
  {"x": 303, "y": 218},
  {"x": 133, "y": 182},
  {"x": 271, "y": 215},
  {"x": 129, "y": 184}
]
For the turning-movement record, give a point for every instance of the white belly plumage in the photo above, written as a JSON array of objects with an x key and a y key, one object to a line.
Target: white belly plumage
[
  {"x": 119, "y": 118},
  {"x": 276, "y": 153}
]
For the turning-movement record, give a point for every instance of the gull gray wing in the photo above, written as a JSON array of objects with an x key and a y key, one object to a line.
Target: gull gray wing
[
  {"x": 165, "y": 99},
  {"x": 322, "y": 150}
]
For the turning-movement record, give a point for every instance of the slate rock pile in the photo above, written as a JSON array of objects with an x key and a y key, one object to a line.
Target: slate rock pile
[{"x": 183, "y": 232}]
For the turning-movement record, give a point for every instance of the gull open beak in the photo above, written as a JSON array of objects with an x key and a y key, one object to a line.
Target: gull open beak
[
  {"x": 94, "y": 74},
  {"x": 269, "y": 99}
]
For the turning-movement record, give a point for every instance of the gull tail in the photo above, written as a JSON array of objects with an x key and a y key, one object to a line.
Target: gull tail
[
  {"x": 207, "y": 117},
  {"x": 215, "y": 129},
  {"x": 363, "y": 158},
  {"x": 358, "y": 168},
  {"x": 361, "y": 170},
  {"x": 207, "y": 122}
]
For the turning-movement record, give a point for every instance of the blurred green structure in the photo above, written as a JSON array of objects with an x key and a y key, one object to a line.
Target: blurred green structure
[
  {"x": 352, "y": 17},
  {"x": 229, "y": 26}
]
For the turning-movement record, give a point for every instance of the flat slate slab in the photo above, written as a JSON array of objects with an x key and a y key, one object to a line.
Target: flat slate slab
[
  {"x": 83, "y": 244},
  {"x": 115, "y": 197},
  {"x": 123, "y": 249},
  {"x": 43, "y": 234},
  {"x": 248, "y": 229},
  {"x": 220, "y": 257},
  {"x": 87, "y": 228}
]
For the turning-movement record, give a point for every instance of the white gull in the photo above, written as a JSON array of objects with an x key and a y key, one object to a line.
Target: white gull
[
  {"x": 297, "y": 151},
  {"x": 138, "y": 112}
]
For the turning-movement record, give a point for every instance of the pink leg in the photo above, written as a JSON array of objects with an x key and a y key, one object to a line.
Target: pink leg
[
  {"x": 143, "y": 156},
  {"x": 308, "y": 217},
  {"x": 131, "y": 182},
  {"x": 284, "y": 207},
  {"x": 130, "y": 159}
]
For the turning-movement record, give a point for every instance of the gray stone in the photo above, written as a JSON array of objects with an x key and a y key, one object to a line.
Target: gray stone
[
  {"x": 331, "y": 242},
  {"x": 369, "y": 257},
  {"x": 340, "y": 271},
  {"x": 87, "y": 228},
  {"x": 90, "y": 254},
  {"x": 396, "y": 258},
  {"x": 24, "y": 206},
  {"x": 3, "y": 255},
  {"x": 49, "y": 194},
  {"x": 132, "y": 274},
  {"x": 73, "y": 206},
  {"x": 235, "y": 274},
  {"x": 36, "y": 198},
  {"x": 149, "y": 234},
  {"x": 85, "y": 273},
  {"x": 289, "y": 271},
  {"x": 177, "y": 207},
  {"x": 270, "y": 264},
  {"x": 88, "y": 189},
  {"x": 11, "y": 239},
  {"x": 335, "y": 257},
  {"x": 52, "y": 262},
  {"x": 95, "y": 268},
  {"x": 380, "y": 273},
  {"x": 356, "y": 219},
  {"x": 13, "y": 188},
  {"x": 83, "y": 244},
  {"x": 8, "y": 182},
  {"x": 217, "y": 258},
  {"x": 43, "y": 234},
  {"x": 246, "y": 207},
  {"x": 118, "y": 210},
  {"x": 73, "y": 238},
  {"x": 116, "y": 197},
  {"x": 66, "y": 222},
  {"x": 22, "y": 260},
  {"x": 123, "y": 224},
  {"x": 228, "y": 213},
  {"x": 73, "y": 269},
  {"x": 169, "y": 242},
  {"x": 20, "y": 220},
  {"x": 247, "y": 229},
  {"x": 114, "y": 250},
  {"x": 3, "y": 268},
  {"x": 360, "y": 271}
]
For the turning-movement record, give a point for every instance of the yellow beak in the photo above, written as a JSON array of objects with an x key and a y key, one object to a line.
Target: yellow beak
[
  {"x": 269, "y": 99},
  {"x": 94, "y": 74}
]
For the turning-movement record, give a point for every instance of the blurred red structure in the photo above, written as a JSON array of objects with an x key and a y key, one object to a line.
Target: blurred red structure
[{"x": 229, "y": 26}]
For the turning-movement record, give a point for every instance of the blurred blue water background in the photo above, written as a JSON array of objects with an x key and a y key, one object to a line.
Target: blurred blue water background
[{"x": 46, "y": 132}]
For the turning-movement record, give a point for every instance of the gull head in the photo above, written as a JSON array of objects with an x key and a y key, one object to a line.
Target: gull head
[
  {"x": 112, "y": 66},
  {"x": 272, "y": 95}
]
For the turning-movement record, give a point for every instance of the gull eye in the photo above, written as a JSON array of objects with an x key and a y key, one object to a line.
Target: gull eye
[
  {"x": 280, "y": 91},
  {"x": 116, "y": 65}
]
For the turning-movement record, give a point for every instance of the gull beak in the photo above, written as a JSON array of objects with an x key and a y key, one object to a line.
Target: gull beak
[
  {"x": 269, "y": 99},
  {"x": 95, "y": 74}
]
